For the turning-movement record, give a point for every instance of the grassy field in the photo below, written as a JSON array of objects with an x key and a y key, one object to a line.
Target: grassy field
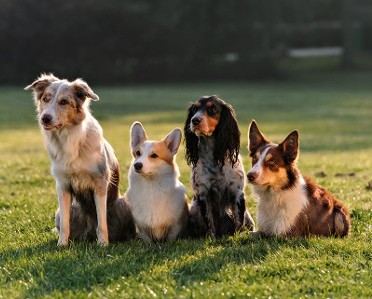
[{"x": 332, "y": 111}]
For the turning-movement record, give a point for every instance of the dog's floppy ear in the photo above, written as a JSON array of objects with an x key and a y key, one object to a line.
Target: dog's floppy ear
[
  {"x": 83, "y": 91},
  {"x": 191, "y": 140},
  {"x": 173, "y": 140},
  {"x": 137, "y": 135},
  {"x": 227, "y": 137},
  {"x": 290, "y": 146},
  {"x": 255, "y": 137},
  {"x": 41, "y": 83}
]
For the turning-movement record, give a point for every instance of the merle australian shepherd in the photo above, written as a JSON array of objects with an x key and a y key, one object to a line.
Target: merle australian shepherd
[
  {"x": 212, "y": 140},
  {"x": 290, "y": 204},
  {"x": 83, "y": 164}
]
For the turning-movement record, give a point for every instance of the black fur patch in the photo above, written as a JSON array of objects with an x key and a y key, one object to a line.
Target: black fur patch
[
  {"x": 292, "y": 175},
  {"x": 86, "y": 200}
]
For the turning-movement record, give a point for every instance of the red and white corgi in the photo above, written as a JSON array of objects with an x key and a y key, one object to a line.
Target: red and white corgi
[
  {"x": 156, "y": 196},
  {"x": 288, "y": 203}
]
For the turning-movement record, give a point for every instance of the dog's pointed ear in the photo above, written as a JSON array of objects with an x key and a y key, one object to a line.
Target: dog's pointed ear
[
  {"x": 290, "y": 147},
  {"x": 83, "y": 91},
  {"x": 173, "y": 140},
  {"x": 137, "y": 135},
  {"x": 255, "y": 137},
  {"x": 42, "y": 82}
]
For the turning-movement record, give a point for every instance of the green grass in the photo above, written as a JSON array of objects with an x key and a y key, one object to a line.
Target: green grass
[{"x": 332, "y": 111}]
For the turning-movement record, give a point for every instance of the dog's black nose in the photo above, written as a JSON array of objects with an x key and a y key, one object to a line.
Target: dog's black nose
[
  {"x": 46, "y": 119},
  {"x": 252, "y": 176},
  {"x": 195, "y": 121},
  {"x": 138, "y": 166}
]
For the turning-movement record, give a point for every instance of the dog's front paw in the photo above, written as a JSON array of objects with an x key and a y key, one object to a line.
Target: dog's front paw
[
  {"x": 103, "y": 243},
  {"x": 257, "y": 235},
  {"x": 103, "y": 240},
  {"x": 102, "y": 237},
  {"x": 249, "y": 222},
  {"x": 62, "y": 242},
  {"x": 211, "y": 234}
]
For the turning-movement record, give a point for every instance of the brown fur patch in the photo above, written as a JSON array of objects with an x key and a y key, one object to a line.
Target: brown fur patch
[
  {"x": 162, "y": 151},
  {"x": 324, "y": 215},
  {"x": 211, "y": 113},
  {"x": 212, "y": 123},
  {"x": 67, "y": 97}
]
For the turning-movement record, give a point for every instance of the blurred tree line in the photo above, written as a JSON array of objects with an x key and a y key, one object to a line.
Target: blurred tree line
[{"x": 119, "y": 41}]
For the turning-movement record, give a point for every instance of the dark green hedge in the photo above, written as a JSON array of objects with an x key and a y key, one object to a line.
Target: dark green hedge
[{"x": 119, "y": 41}]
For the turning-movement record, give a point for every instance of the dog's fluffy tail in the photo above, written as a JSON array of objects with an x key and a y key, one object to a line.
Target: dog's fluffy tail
[{"x": 341, "y": 221}]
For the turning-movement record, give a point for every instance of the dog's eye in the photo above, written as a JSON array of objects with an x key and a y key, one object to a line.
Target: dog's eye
[
  {"x": 138, "y": 153},
  {"x": 254, "y": 159},
  {"x": 63, "y": 102},
  {"x": 271, "y": 162},
  {"x": 154, "y": 156},
  {"x": 45, "y": 100},
  {"x": 212, "y": 110}
]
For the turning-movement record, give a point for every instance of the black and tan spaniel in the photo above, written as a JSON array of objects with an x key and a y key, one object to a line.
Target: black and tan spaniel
[{"x": 212, "y": 139}]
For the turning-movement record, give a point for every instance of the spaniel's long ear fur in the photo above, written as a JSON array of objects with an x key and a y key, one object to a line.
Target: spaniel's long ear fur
[
  {"x": 227, "y": 137},
  {"x": 191, "y": 140}
]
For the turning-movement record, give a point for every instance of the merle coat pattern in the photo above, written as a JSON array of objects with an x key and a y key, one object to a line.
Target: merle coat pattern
[{"x": 82, "y": 162}]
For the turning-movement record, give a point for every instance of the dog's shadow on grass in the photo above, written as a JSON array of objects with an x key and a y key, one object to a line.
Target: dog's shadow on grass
[
  {"x": 82, "y": 267},
  {"x": 240, "y": 252}
]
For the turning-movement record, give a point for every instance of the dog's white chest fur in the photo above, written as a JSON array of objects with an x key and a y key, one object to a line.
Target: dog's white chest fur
[
  {"x": 155, "y": 202},
  {"x": 76, "y": 153},
  {"x": 278, "y": 210}
]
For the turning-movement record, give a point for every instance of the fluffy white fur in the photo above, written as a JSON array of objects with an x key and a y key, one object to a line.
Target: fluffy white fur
[
  {"x": 156, "y": 196},
  {"x": 278, "y": 210}
]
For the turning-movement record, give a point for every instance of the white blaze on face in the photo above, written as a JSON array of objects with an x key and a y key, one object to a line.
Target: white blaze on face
[
  {"x": 52, "y": 106},
  {"x": 162, "y": 163},
  {"x": 258, "y": 167},
  {"x": 144, "y": 158}
]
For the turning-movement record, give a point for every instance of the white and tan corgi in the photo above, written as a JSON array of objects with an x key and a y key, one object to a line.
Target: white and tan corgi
[
  {"x": 288, "y": 203},
  {"x": 156, "y": 196}
]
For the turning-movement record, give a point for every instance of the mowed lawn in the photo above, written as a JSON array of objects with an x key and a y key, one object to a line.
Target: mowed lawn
[{"x": 333, "y": 113}]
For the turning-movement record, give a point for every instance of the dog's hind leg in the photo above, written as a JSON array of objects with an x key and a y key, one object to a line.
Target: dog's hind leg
[
  {"x": 82, "y": 224},
  {"x": 120, "y": 221},
  {"x": 239, "y": 209}
]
